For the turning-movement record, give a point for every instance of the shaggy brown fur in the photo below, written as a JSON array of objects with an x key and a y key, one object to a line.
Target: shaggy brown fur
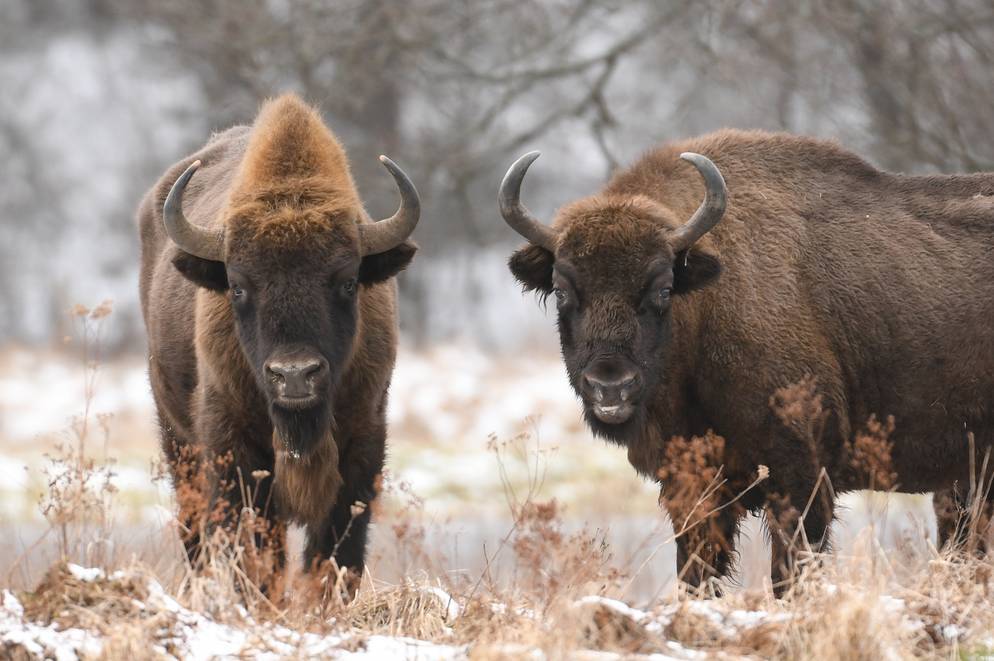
[
  {"x": 282, "y": 192},
  {"x": 879, "y": 286},
  {"x": 305, "y": 486}
]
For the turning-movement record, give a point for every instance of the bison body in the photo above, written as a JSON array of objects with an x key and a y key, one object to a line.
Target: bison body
[
  {"x": 272, "y": 329},
  {"x": 875, "y": 289}
]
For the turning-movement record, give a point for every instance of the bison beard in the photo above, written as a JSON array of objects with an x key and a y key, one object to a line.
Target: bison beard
[
  {"x": 298, "y": 432},
  {"x": 306, "y": 485}
]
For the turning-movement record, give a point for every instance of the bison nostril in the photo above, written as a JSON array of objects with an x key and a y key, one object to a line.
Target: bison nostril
[
  {"x": 295, "y": 378},
  {"x": 311, "y": 369},
  {"x": 602, "y": 389},
  {"x": 283, "y": 370},
  {"x": 593, "y": 386}
]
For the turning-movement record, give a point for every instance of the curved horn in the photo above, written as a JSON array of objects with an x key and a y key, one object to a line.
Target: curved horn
[
  {"x": 515, "y": 214},
  {"x": 711, "y": 209},
  {"x": 390, "y": 232},
  {"x": 197, "y": 241}
]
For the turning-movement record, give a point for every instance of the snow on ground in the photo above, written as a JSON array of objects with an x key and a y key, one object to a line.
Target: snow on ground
[
  {"x": 42, "y": 642},
  {"x": 196, "y": 637},
  {"x": 70, "y": 623},
  {"x": 193, "y": 635},
  {"x": 42, "y": 392}
]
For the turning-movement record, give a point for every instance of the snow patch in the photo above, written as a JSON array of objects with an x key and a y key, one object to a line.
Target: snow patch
[
  {"x": 195, "y": 636},
  {"x": 615, "y": 605},
  {"x": 43, "y": 641},
  {"x": 451, "y": 606},
  {"x": 85, "y": 574}
]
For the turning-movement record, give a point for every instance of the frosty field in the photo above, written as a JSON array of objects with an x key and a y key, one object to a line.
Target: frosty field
[{"x": 467, "y": 558}]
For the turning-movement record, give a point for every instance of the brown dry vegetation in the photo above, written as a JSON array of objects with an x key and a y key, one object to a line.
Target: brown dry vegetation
[
  {"x": 559, "y": 598},
  {"x": 542, "y": 589}
]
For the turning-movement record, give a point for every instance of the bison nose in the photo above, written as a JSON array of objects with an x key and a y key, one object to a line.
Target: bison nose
[
  {"x": 296, "y": 378},
  {"x": 611, "y": 390}
]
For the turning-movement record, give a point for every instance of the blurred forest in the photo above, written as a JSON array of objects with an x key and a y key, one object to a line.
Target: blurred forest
[{"x": 99, "y": 96}]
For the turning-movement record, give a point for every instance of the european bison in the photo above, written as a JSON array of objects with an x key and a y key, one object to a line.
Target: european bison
[
  {"x": 272, "y": 327},
  {"x": 874, "y": 289}
]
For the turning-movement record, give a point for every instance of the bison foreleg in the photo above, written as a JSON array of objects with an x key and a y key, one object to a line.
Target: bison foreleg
[
  {"x": 343, "y": 534},
  {"x": 705, "y": 547},
  {"x": 963, "y": 526},
  {"x": 241, "y": 504},
  {"x": 798, "y": 517}
]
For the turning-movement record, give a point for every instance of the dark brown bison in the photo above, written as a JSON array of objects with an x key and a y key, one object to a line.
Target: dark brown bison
[
  {"x": 677, "y": 317},
  {"x": 272, "y": 327}
]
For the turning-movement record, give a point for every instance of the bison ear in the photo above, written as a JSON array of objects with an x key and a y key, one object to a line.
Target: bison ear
[
  {"x": 384, "y": 265},
  {"x": 694, "y": 269},
  {"x": 532, "y": 267},
  {"x": 204, "y": 273}
]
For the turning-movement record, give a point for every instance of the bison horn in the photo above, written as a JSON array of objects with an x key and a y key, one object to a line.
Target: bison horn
[
  {"x": 711, "y": 209},
  {"x": 515, "y": 214},
  {"x": 197, "y": 241},
  {"x": 388, "y": 233}
]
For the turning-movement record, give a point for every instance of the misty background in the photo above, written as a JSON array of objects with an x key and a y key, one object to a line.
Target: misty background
[{"x": 97, "y": 97}]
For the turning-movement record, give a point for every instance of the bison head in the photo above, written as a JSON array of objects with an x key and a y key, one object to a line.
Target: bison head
[
  {"x": 615, "y": 264},
  {"x": 294, "y": 255}
]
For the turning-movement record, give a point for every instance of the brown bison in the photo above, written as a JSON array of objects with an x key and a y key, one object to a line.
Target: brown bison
[
  {"x": 272, "y": 327},
  {"x": 677, "y": 317}
]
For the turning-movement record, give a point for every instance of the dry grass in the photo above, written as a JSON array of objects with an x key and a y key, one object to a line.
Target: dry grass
[
  {"x": 543, "y": 589},
  {"x": 557, "y": 595}
]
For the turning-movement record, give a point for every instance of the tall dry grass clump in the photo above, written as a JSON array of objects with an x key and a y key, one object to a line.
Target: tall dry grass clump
[
  {"x": 973, "y": 529},
  {"x": 79, "y": 495}
]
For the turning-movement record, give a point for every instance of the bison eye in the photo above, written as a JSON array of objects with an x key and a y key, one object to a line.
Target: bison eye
[
  {"x": 560, "y": 295},
  {"x": 662, "y": 297},
  {"x": 348, "y": 288},
  {"x": 237, "y": 292}
]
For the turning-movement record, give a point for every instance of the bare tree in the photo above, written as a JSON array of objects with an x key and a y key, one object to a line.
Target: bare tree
[
  {"x": 455, "y": 90},
  {"x": 909, "y": 82}
]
